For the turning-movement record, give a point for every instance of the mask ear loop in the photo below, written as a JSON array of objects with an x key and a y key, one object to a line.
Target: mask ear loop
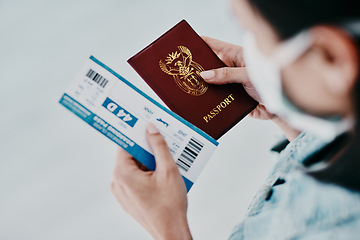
[{"x": 292, "y": 49}]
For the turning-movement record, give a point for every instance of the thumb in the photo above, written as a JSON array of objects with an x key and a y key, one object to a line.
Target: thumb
[
  {"x": 163, "y": 157},
  {"x": 226, "y": 75}
]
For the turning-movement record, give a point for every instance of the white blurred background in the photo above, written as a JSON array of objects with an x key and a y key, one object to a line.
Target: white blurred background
[{"x": 55, "y": 170}]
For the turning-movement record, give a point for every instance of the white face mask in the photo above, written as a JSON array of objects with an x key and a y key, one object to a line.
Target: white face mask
[{"x": 265, "y": 74}]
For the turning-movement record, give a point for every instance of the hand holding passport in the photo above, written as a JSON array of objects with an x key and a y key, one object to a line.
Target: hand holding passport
[{"x": 171, "y": 66}]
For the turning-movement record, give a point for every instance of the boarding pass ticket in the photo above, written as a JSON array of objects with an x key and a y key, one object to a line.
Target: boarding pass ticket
[{"x": 120, "y": 111}]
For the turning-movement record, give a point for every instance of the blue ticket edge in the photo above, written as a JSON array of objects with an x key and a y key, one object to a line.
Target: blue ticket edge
[{"x": 118, "y": 137}]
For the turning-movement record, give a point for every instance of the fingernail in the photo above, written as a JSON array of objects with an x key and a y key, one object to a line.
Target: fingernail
[
  {"x": 152, "y": 129},
  {"x": 207, "y": 75}
]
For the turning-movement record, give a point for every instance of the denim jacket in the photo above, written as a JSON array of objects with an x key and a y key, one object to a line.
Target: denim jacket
[{"x": 293, "y": 205}]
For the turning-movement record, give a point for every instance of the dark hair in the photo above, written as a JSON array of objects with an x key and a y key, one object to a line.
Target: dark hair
[{"x": 288, "y": 17}]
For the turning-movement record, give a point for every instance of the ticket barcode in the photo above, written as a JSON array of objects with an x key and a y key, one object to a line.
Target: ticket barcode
[
  {"x": 97, "y": 78},
  {"x": 188, "y": 156}
]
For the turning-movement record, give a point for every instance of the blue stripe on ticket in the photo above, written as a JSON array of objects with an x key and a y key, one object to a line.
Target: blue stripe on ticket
[
  {"x": 188, "y": 183},
  {"x": 109, "y": 131}
]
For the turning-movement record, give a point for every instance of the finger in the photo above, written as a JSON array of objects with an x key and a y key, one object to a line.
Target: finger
[
  {"x": 124, "y": 159},
  {"x": 226, "y": 75},
  {"x": 164, "y": 160},
  {"x": 125, "y": 155},
  {"x": 260, "y": 112},
  {"x": 141, "y": 166},
  {"x": 230, "y": 54},
  {"x": 215, "y": 44},
  {"x": 125, "y": 165}
]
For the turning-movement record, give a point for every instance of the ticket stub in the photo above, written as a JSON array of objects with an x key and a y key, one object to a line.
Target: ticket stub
[{"x": 120, "y": 111}]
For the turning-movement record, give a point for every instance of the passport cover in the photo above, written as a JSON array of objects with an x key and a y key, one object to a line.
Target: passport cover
[{"x": 171, "y": 66}]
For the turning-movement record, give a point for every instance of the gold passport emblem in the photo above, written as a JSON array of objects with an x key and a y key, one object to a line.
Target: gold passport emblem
[{"x": 185, "y": 71}]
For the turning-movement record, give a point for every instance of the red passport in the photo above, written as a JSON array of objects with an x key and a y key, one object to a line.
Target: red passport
[{"x": 171, "y": 66}]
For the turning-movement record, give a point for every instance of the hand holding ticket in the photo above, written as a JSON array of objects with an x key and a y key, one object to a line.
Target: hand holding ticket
[{"x": 121, "y": 112}]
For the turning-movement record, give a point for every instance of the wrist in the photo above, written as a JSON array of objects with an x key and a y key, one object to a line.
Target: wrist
[
  {"x": 288, "y": 131},
  {"x": 276, "y": 119},
  {"x": 175, "y": 230}
]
